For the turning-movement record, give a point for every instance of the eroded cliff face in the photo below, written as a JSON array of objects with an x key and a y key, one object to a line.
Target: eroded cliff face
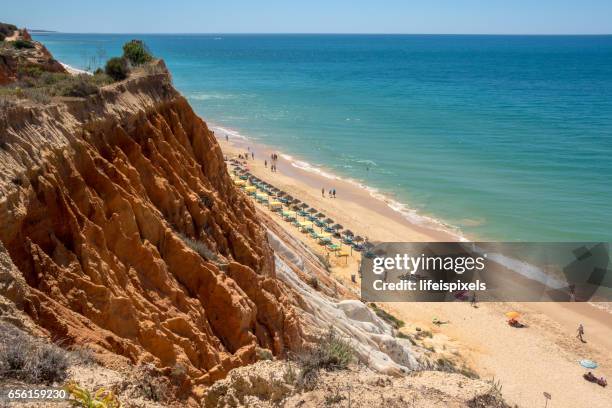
[{"x": 101, "y": 202}]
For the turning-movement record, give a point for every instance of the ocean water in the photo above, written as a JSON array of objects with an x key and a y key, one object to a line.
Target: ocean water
[{"x": 502, "y": 137}]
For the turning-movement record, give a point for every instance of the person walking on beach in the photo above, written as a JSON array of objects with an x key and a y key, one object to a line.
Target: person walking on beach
[
  {"x": 226, "y": 138},
  {"x": 253, "y": 155},
  {"x": 580, "y": 332},
  {"x": 572, "y": 294},
  {"x": 266, "y": 164},
  {"x": 334, "y": 192},
  {"x": 323, "y": 192},
  {"x": 473, "y": 301}
]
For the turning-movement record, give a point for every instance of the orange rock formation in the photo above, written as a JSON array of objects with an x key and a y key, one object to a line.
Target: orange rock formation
[{"x": 102, "y": 200}]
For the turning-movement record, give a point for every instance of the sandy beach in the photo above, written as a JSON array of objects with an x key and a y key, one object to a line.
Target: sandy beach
[{"x": 527, "y": 362}]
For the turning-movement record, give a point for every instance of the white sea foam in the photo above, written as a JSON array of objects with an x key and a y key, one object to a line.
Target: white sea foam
[
  {"x": 74, "y": 71},
  {"x": 408, "y": 213},
  {"x": 201, "y": 96},
  {"x": 527, "y": 270},
  {"x": 228, "y": 132}
]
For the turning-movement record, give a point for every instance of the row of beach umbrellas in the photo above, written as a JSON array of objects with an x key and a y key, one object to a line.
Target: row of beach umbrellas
[{"x": 299, "y": 205}]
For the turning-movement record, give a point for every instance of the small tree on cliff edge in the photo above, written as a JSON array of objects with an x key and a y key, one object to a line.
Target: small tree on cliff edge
[
  {"x": 116, "y": 68},
  {"x": 136, "y": 52}
]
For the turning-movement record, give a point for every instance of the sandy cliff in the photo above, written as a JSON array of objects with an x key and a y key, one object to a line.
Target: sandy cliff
[{"x": 101, "y": 202}]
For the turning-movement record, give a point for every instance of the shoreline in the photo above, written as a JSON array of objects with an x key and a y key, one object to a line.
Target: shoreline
[
  {"x": 74, "y": 71},
  {"x": 417, "y": 227}
]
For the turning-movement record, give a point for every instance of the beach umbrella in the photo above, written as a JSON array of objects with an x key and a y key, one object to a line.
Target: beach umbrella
[
  {"x": 348, "y": 233},
  {"x": 296, "y": 201},
  {"x": 320, "y": 215},
  {"x": 337, "y": 227},
  {"x": 513, "y": 315},
  {"x": 313, "y": 210},
  {"x": 358, "y": 239},
  {"x": 590, "y": 364},
  {"x": 281, "y": 193},
  {"x": 304, "y": 205},
  {"x": 328, "y": 221}
]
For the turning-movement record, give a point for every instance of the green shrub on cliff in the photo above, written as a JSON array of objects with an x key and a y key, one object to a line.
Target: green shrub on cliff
[
  {"x": 116, "y": 68},
  {"x": 21, "y": 44},
  {"x": 136, "y": 52},
  {"x": 330, "y": 353}
]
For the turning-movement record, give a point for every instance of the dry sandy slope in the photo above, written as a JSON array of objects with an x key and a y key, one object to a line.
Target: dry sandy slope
[{"x": 267, "y": 384}]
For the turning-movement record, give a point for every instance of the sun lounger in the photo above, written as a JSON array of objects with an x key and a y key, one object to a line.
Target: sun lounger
[{"x": 590, "y": 377}]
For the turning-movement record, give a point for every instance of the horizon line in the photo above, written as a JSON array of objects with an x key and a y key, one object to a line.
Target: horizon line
[{"x": 317, "y": 33}]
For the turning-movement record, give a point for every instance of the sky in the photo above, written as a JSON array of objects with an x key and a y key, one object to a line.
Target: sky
[{"x": 314, "y": 16}]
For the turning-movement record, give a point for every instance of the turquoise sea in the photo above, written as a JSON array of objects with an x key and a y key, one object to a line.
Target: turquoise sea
[{"x": 502, "y": 137}]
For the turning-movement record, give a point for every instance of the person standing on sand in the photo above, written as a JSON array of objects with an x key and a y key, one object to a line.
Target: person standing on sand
[
  {"x": 334, "y": 192},
  {"x": 580, "y": 332},
  {"x": 572, "y": 294},
  {"x": 323, "y": 192},
  {"x": 226, "y": 138},
  {"x": 253, "y": 155},
  {"x": 266, "y": 164}
]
